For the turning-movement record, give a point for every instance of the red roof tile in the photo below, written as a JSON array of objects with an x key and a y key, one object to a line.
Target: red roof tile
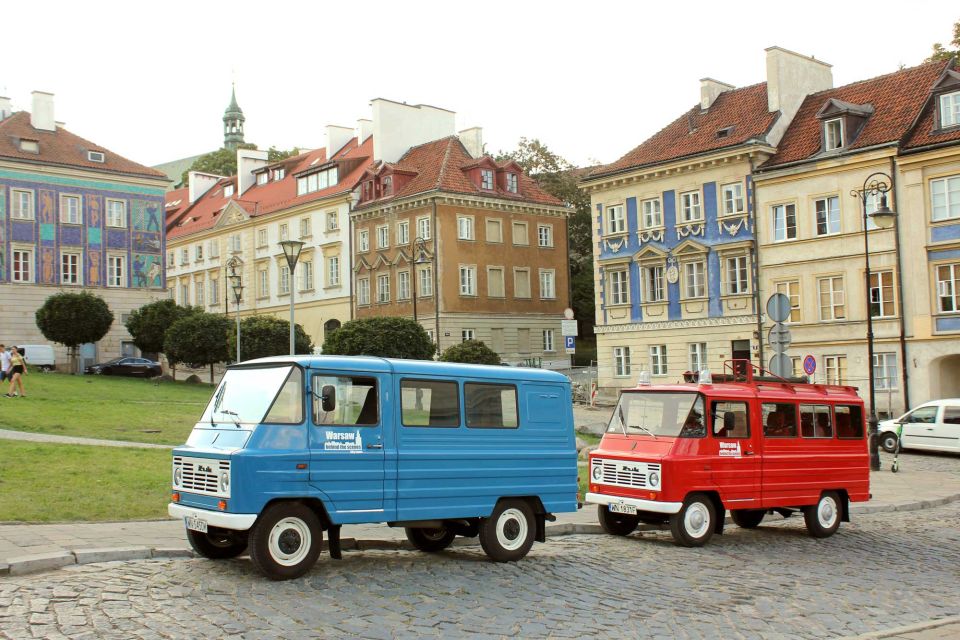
[
  {"x": 63, "y": 148},
  {"x": 742, "y": 111},
  {"x": 925, "y": 133}
]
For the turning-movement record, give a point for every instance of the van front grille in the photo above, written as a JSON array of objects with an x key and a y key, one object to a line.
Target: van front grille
[
  {"x": 201, "y": 475},
  {"x": 622, "y": 473}
]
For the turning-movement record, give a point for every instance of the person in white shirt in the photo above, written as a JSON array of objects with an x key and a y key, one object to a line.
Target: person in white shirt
[{"x": 4, "y": 363}]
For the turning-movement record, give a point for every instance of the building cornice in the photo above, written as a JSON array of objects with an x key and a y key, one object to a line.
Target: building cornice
[
  {"x": 875, "y": 157},
  {"x": 463, "y": 200},
  {"x": 693, "y": 323},
  {"x": 59, "y": 171}
]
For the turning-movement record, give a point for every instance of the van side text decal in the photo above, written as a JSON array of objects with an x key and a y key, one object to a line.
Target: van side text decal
[{"x": 343, "y": 441}]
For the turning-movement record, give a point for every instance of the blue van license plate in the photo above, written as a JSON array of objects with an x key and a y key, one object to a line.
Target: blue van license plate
[{"x": 196, "y": 524}]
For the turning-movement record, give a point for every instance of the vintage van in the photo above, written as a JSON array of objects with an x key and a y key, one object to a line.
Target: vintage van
[
  {"x": 291, "y": 447},
  {"x": 686, "y": 453}
]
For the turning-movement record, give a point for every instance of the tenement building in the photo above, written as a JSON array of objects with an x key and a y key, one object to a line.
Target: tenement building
[{"x": 73, "y": 216}]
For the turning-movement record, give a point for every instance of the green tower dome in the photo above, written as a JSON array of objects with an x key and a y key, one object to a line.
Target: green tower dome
[{"x": 233, "y": 120}]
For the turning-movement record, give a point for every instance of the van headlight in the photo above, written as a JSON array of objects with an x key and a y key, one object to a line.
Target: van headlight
[
  {"x": 177, "y": 476},
  {"x": 654, "y": 479},
  {"x": 597, "y": 472},
  {"x": 224, "y": 481}
]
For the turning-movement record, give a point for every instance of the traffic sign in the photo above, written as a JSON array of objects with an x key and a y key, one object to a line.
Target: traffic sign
[
  {"x": 568, "y": 327},
  {"x": 570, "y": 343},
  {"x": 779, "y": 337},
  {"x": 780, "y": 365},
  {"x": 809, "y": 365},
  {"x": 568, "y": 313},
  {"x": 778, "y": 307}
]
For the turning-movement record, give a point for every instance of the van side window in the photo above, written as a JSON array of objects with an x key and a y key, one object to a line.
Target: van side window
[
  {"x": 356, "y": 401},
  {"x": 429, "y": 403},
  {"x": 491, "y": 406},
  {"x": 815, "y": 421},
  {"x": 287, "y": 407},
  {"x": 779, "y": 420},
  {"x": 730, "y": 420},
  {"x": 951, "y": 415},
  {"x": 849, "y": 420}
]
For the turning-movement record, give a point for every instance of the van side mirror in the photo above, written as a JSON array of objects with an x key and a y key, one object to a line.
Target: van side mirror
[{"x": 328, "y": 398}]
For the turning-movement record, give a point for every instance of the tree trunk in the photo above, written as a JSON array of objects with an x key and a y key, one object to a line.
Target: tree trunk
[{"x": 211, "y": 373}]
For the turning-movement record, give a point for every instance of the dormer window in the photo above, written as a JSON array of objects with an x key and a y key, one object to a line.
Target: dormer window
[
  {"x": 278, "y": 174},
  {"x": 228, "y": 191},
  {"x": 950, "y": 110},
  {"x": 725, "y": 132},
  {"x": 96, "y": 156},
  {"x": 387, "y": 185},
  {"x": 833, "y": 134},
  {"x": 262, "y": 178},
  {"x": 486, "y": 179},
  {"x": 29, "y": 146},
  {"x": 512, "y": 182}
]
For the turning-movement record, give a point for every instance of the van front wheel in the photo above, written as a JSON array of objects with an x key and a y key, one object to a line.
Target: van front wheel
[
  {"x": 888, "y": 440},
  {"x": 285, "y": 542},
  {"x": 430, "y": 539},
  {"x": 693, "y": 525},
  {"x": 616, "y": 524},
  {"x": 823, "y": 518},
  {"x": 507, "y": 535},
  {"x": 218, "y": 544}
]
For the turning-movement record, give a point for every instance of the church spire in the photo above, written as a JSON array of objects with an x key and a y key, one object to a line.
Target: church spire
[{"x": 233, "y": 122}]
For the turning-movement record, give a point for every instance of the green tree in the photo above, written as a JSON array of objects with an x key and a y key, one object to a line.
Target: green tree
[
  {"x": 222, "y": 162},
  {"x": 276, "y": 155},
  {"x": 148, "y": 324},
  {"x": 387, "y": 337},
  {"x": 942, "y": 53},
  {"x": 263, "y": 336},
  {"x": 198, "y": 339},
  {"x": 470, "y": 352},
  {"x": 72, "y": 319}
]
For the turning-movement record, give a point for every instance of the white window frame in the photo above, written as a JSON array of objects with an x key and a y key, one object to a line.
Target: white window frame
[
  {"x": 403, "y": 285},
  {"x": 545, "y": 235},
  {"x": 263, "y": 178},
  {"x": 549, "y": 346},
  {"x": 653, "y": 280},
  {"x": 214, "y": 249},
  {"x": 383, "y": 288},
  {"x": 879, "y": 291},
  {"x": 618, "y": 281},
  {"x": 403, "y": 232},
  {"x": 184, "y": 255},
  {"x": 333, "y": 271},
  {"x": 17, "y": 198},
  {"x": 468, "y": 334},
  {"x": 115, "y": 219},
  {"x": 284, "y": 232},
  {"x": 468, "y": 280},
  {"x": 425, "y": 283},
  {"x": 486, "y": 179},
  {"x": 697, "y": 356},
  {"x": 333, "y": 220},
  {"x": 513, "y": 183},
  {"x": 826, "y": 285},
  {"x": 263, "y": 282},
  {"x": 658, "y": 360},
  {"x": 464, "y": 227},
  {"x": 363, "y": 291},
  {"x": 383, "y": 236},
  {"x": 25, "y": 261},
  {"x": 621, "y": 362},
  {"x": 261, "y": 238},
  {"x": 833, "y": 134},
  {"x": 785, "y": 287},
  {"x": 198, "y": 252},
  {"x": 214, "y": 292},
  {"x": 69, "y": 215},
  {"x": 948, "y": 288},
  {"x": 828, "y": 209},
  {"x": 734, "y": 202},
  {"x": 950, "y": 197},
  {"x": 885, "y": 375},
  {"x": 695, "y": 279},
  {"x": 949, "y": 114},
  {"x": 652, "y": 213},
  {"x": 737, "y": 275},
  {"x": 423, "y": 228},
  {"x": 306, "y": 275},
  {"x": 116, "y": 270},
  {"x": 363, "y": 240},
  {"x": 616, "y": 219},
  {"x": 76, "y": 270},
  {"x": 198, "y": 293},
  {"x": 283, "y": 280},
  {"x": 835, "y": 368},
  {"x": 228, "y": 190},
  {"x": 691, "y": 207},
  {"x": 784, "y": 212},
  {"x": 548, "y": 284},
  {"x": 306, "y": 227}
]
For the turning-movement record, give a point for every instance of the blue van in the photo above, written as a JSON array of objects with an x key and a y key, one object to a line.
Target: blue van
[{"x": 290, "y": 447}]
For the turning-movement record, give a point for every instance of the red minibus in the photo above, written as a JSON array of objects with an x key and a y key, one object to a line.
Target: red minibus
[{"x": 685, "y": 453}]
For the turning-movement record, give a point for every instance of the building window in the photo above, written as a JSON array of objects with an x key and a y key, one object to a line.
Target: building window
[
  {"x": 306, "y": 275},
  {"x": 694, "y": 279},
  {"x": 950, "y": 110},
  {"x": 198, "y": 293},
  {"x": 184, "y": 256},
  {"x": 321, "y": 180},
  {"x": 383, "y": 288},
  {"x": 306, "y": 228},
  {"x": 653, "y": 283},
  {"x": 495, "y": 283},
  {"x": 70, "y": 268},
  {"x": 171, "y": 259},
  {"x": 284, "y": 232},
  {"x": 512, "y": 183},
  {"x": 333, "y": 271},
  {"x": 261, "y": 238},
  {"x": 214, "y": 249},
  {"x": 698, "y": 355},
  {"x": 548, "y": 340},
  {"x": 784, "y": 222},
  {"x": 425, "y": 282},
  {"x": 652, "y": 216},
  {"x": 828, "y": 215},
  {"x": 944, "y": 197},
  {"x": 198, "y": 252},
  {"x": 70, "y": 210},
  {"x": 486, "y": 179},
  {"x": 468, "y": 280},
  {"x": 835, "y": 368},
  {"x": 333, "y": 221},
  {"x": 948, "y": 286},
  {"x": 116, "y": 213},
  {"x": 658, "y": 359},
  {"x": 22, "y": 204},
  {"x": 214, "y": 291},
  {"x": 545, "y": 235},
  {"x": 423, "y": 228},
  {"x": 881, "y": 294},
  {"x": 116, "y": 271},
  {"x": 690, "y": 207},
  {"x": 621, "y": 361},
  {"x": 96, "y": 156},
  {"x": 279, "y": 173},
  {"x": 885, "y": 371},
  {"x": 791, "y": 289},
  {"x": 22, "y": 265},
  {"x": 467, "y": 334},
  {"x": 465, "y": 227},
  {"x": 228, "y": 191},
  {"x": 619, "y": 287},
  {"x": 833, "y": 134},
  {"x": 403, "y": 233},
  {"x": 383, "y": 236},
  {"x": 185, "y": 295},
  {"x": 263, "y": 283},
  {"x": 403, "y": 285},
  {"x": 548, "y": 290},
  {"x": 236, "y": 243},
  {"x": 363, "y": 291},
  {"x": 494, "y": 230},
  {"x": 386, "y": 186},
  {"x": 831, "y": 298},
  {"x": 284, "y": 287},
  {"x": 737, "y": 282},
  {"x": 520, "y": 233},
  {"x": 364, "y": 240},
  {"x": 262, "y": 177},
  {"x": 616, "y": 219},
  {"x": 733, "y": 200},
  {"x": 521, "y": 283}
]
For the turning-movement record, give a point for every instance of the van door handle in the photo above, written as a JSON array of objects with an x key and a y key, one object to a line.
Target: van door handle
[
  {"x": 748, "y": 453},
  {"x": 375, "y": 445}
]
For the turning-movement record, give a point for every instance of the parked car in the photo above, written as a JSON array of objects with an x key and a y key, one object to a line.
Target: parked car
[
  {"x": 934, "y": 426},
  {"x": 39, "y": 355},
  {"x": 126, "y": 367}
]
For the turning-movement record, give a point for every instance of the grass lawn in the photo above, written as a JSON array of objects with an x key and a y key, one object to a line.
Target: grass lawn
[
  {"x": 42, "y": 482},
  {"x": 128, "y": 409}
]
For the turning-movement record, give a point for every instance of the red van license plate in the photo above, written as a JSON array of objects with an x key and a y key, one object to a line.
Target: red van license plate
[
  {"x": 620, "y": 507},
  {"x": 196, "y": 524}
]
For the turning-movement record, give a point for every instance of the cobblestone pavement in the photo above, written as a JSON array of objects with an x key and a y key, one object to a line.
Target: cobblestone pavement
[{"x": 880, "y": 571}]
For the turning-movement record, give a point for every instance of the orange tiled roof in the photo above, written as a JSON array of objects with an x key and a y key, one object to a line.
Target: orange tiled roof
[
  {"x": 63, "y": 148},
  {"x": 925, "y": 133}
]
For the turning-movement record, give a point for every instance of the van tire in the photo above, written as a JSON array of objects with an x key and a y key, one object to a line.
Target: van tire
[
  {"x": 508, "y": 534},
  {"x": 694, "y": 524},
  {"x": 218, "y": 544},
  {"x": 748, "y": 518},
  {"x": 823, "y": 518},
  {"x": 616, "y": 524},
  {"x": 888, "y": 440},
  {"x": 428, "y": 539},
  {"x": 286, "y": 540}
]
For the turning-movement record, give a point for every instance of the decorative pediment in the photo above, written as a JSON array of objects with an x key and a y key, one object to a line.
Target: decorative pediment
[
  {"x": 690, "y": 247},
  {"x": 948, "y": 80},
  {"x": 362, "y": 265},
  {"x": 650, "y": 252},
  {"x": 381, "y": 260},
  {"x": 833, "y": 107},
  {"x": 483, "y": 161},
  {"x": 232, "y": 214}
]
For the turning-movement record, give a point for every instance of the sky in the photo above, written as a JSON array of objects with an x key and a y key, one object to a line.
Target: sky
[{"x": 591, "y": 80}]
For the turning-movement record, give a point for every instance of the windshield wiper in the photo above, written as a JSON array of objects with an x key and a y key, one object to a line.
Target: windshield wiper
[
  {"x": 217, "y": 399},
  {"x": 623, "y": 426},
  {"x": 236, "y": 416},
  {"x": 640, "y": 426}
]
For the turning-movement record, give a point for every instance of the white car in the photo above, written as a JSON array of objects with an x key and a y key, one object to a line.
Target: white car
[{"x": 934, "y": 425}]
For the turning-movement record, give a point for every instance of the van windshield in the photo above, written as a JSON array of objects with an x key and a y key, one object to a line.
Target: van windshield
[
  {"x": 245, "y": 396},
  {"x": 679, "y": 415}
]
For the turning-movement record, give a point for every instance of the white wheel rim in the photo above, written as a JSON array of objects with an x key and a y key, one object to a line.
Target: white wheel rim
[
  {"x": 512, "y": 529},
  {"x": 696, "y": 520},
  {"x": 434, "y": 535},
  {"x": 289, "y": 542},
  {"x": 827, "y": 512}
]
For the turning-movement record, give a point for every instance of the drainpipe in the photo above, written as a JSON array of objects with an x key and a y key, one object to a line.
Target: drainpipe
[
  {"x": 436, "y": 268},
  {"x": 350, "y": 253},
  {"x": 903, "y": 315},
  {"x": 757, "y": 308}
]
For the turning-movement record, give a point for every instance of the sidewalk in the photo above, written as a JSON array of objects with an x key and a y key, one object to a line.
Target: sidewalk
[{"x": 944, "y": 629}]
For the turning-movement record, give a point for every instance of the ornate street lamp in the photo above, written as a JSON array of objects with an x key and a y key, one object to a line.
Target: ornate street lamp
[
  {"x": 877, "y": 185},
  {"x": 236, "y": 283},
  {"x": 291, "y": 250},
  {"x": 420, "y": 248}
]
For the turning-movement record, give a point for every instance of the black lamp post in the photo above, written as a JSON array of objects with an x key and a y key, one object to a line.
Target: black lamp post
[
  {"x": 236, "y": 283},
  {"x": 291, "y": 250},
  {"x": 877, "y": 185},
  {"x": 420, "y": 248}
]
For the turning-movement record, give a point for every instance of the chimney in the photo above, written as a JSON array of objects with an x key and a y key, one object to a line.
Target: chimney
[
  {"x": 41, "y": 117},
  {"x": 364, "y": 129},
  {"x": 472, "y": 140},
  {"x": 200, "y": 183},
  {"x": 336, "y": 138},
  {"x": 398, "y": 126},
  {"x": 247, "y": 161},
  {"x": 6, "y": 108},
  {"x": 710, "y": 89},
  {"x": 790, "y": 78}
]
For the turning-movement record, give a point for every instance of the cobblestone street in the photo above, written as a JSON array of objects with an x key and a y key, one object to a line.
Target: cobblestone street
[{"x": 880, "y": 571}]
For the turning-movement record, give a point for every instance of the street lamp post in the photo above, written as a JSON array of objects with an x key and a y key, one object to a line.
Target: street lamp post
[
  {"x": 236, "y": 282},
  {"x": 291, "y": 250},
  {"x": 420, "y": 248},
  {"x": 877, "y": 185}
]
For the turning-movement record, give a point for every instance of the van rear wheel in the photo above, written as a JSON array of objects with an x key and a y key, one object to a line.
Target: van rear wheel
[
  {"x": 507, "y": 535},
  {"x": 888, "y": 440},
  {"x": 748, "y": 518},
  {"x": 616, "y": 524},
  {"x": 823, "y": 518},
  {"x": 285, "y": 542},
  {"x": 430, "y": 539},
  {"x": 218, "y": 544},
  {"x": 693, "y": 525}
]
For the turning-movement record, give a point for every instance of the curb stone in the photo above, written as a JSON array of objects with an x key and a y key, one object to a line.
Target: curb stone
[
  {"x": 4, "y": 568},
  {"x": 911, "y": 628},
  {"x": 40, "y": 562},
  {"x": 171, "y": 552},
  {"x": 111, "y": 554}
]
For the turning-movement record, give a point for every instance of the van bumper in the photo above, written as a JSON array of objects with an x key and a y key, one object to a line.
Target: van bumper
[
  {"x": 236, "y": 521},
  {"x": 641, "y": 505}
]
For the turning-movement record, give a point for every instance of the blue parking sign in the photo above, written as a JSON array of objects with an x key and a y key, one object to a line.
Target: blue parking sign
[{"x": 570, "y": 342}]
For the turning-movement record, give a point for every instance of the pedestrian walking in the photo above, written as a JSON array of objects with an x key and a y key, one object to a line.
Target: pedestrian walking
[
  {"x": 18, "y": 369},
  {"x": 4, "y": 363}
]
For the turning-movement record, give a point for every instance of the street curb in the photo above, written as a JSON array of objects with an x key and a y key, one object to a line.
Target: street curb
[
  {"x": 910, "y": 628},
  {"x": 111, "y": 554},
  {"x": 917, "y": 505}
]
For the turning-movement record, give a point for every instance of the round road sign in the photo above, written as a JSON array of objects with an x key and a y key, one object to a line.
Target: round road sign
[
  {"x": 780, "y": 365},
  {"x": 779, "y": 337},
  {"x": 809, "y": 365},
  {"x": 778, "y": 307}
]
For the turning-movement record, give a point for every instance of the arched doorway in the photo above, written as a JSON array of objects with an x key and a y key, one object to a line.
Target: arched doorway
[
  {"x": 329, "y": 327},
  {"x": 946, "y": 376}
]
